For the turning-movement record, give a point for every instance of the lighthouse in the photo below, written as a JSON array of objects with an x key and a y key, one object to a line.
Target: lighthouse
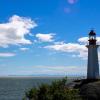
[{"x": 93, "y": 64}]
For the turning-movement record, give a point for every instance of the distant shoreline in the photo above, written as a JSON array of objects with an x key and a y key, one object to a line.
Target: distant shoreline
[
  {"x": 31, "y": 77},
  {"x": 11, "y": 76}
]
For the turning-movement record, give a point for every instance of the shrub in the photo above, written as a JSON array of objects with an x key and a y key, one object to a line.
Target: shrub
[{"x": 56, "y": 91}]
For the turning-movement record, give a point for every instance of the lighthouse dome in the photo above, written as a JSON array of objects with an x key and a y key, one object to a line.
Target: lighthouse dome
[{"x": 92, "y": 33}]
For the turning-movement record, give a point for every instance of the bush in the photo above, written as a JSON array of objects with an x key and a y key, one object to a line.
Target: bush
[{"x": 56, "y": 91}]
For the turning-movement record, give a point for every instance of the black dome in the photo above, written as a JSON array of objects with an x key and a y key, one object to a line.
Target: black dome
[{"x": 92, "y": 32}]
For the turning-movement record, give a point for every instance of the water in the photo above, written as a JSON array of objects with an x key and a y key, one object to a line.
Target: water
[{"x": 14, "y": 88}]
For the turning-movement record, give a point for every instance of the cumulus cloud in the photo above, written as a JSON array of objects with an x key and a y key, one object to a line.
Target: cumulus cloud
[
  {"x": 80, "y": 50},
  {"x": 84, "y": 40},
  {"x": 24, "y": 49},
  {"x": 7, "y": 54},
  {"x": 13, "y": 32},
  {"x": 72, "y": 1},
  {"x": 67, "y": 47},
  {"x": 45, "y": 37},
  {"x": 98, "y": 40}
]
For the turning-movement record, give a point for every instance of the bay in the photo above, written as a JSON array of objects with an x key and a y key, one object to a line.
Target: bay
[{"x": 14, "y": 88}]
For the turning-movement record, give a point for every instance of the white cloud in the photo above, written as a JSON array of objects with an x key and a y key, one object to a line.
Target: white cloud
[
  {"x": 80, "y": 50},
  {"x": 67, "y": 47},
  {"x": 13, "y": 32},
  {"x": 24, "y": 49},
  {"x": 98, "y": 40},
  {"x": 7, "y": 54},
  {"x": 45, "y": 37},
  {"x": 84, "y": 40}
]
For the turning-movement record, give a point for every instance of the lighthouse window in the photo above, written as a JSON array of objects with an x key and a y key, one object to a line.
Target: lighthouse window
[{"x": 92, "y": 37}]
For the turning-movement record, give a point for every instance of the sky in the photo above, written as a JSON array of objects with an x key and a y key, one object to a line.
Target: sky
[{"x": 46, "y": 37}]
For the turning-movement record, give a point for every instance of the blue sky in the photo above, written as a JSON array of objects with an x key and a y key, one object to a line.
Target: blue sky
[{"x": 46, "y": 37}]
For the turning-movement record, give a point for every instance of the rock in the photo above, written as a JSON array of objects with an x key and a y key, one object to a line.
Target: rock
[{"x": 90, "y": 91}]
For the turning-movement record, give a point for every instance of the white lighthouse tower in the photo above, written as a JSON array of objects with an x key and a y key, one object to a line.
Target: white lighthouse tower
[{"x": 93, "y": 65}]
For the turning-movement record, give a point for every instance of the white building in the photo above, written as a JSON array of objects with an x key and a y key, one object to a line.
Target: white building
[{"x": 93, "y": 64}]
